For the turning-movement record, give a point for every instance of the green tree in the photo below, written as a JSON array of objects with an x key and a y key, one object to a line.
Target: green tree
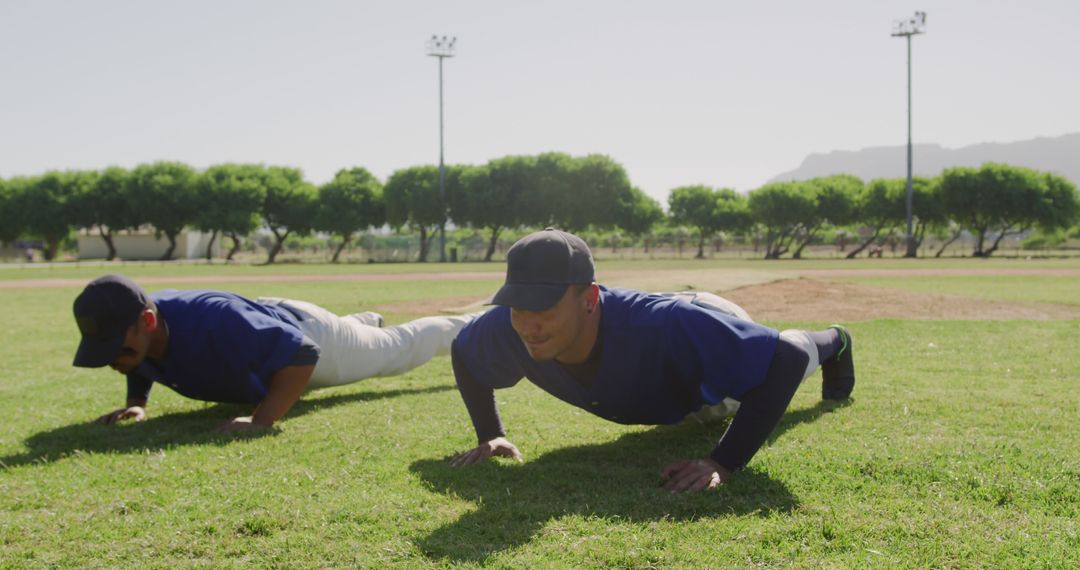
[
  {"x": 993, "y": 200},
  {"x": 501, "y": 195},
  {"x": 638, "y": 215},
  {"x": 1059, "y": 205},
  {"x": 106, "y": 205},
  {"x": 595, "y": 184},
  {"x": 877, "y": 208},
  {"x": 289, "y": 206},
  {"x": 547, "y": 189},
  {"x": 782, "y": 208},
  {"x": 412, "y": 199},
  {"x": 834, "y": 203},
  {"x": 349, "y": 203},
  {"x": 11, "y": 224},
  {"x": 48, "y": 206},
  {"x": 163, "y": 195},
  {"x": 707, "y": 210},
  {"x": 231, "y": 196}
]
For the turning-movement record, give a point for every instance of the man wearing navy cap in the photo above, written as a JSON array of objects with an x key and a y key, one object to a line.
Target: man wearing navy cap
[
  {"x": 221, "y": 347},
  {"x": 635, "y": 358}
]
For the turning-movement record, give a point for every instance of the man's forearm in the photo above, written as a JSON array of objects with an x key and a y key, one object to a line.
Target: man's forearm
[
  {"x": 760, "y": 410},
  {"x": 480, "y": 402},
  {"x": 286, "y": 386}
]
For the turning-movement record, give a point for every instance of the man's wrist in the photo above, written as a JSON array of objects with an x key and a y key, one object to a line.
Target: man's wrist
[
  {"x": 262, "y": 422},
  {"x": 482, "y": 439}
]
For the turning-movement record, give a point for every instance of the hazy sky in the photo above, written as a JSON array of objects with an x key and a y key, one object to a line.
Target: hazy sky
[{"x": 721, "y": 93}]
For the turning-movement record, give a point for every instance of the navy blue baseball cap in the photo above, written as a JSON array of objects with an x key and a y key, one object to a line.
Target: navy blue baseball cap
[
  {"x": 541, "y": 266},
  {"x": 104, "y": 311}
]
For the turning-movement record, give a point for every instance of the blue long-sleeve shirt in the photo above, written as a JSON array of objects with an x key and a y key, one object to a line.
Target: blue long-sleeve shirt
[
  {"x": 661, "y": 358},
  {"x": 222, "y": 347}
]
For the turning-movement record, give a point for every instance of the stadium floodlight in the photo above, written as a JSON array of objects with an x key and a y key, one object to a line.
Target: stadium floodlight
[
  {"x": 441, "y": 47},
  {"x": 906, "y": 28}
]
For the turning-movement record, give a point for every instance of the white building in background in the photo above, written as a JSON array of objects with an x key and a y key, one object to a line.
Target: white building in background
[{"x": 142, "y": 244}]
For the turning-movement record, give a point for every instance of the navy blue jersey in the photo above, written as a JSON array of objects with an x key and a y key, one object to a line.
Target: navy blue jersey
[
  {"x": 222, "y": 347},
  {"x": 661, "y": 358}
]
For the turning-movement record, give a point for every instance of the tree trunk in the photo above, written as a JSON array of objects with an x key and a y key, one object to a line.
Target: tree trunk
[
  {"x": 106, "y": 236},
  {"x": 810, "y": 234},
  {"x": 235, "y": 248},
  {"x": 1004, "y": 232},
  {"x": 279, "y": 244},
  {"x": 492, "y": 243},
  {"x": 866, "y": 243},
  {"x": 52, "y": 246},
  {"x": 919, "y": 235},
  {"x": 701, "y": 247},
  {"x": 778, "y": 246},
  {"x": 423, "y": 244},
  {"x": 210, "y": 246},
  {"x": 344, "y": 242},
  {"x": 955, "y": 237},
  {"x": 980, "y": 237},
  {"x": 646, "y": 240},
  {"x": 172, "y": 246}
]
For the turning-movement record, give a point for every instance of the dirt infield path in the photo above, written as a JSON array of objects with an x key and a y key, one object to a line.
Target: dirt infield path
[
  {"x": 815, "y": 300},
  {"x": 802, "y": 295}
]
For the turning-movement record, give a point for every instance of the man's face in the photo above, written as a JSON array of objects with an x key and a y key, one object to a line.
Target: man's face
[
  {"x": 133, "y": 352},
  {"x": 547, "y": 334}
]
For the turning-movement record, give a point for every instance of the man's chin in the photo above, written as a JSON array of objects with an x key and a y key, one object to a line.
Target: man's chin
[{"x": 539, "y": 356}]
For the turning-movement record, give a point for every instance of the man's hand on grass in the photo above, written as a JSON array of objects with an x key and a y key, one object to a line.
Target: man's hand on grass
[
  {"x": 137, "y": 413},
  {"x": 243, "y": 423},
  {"x": 694, "y": 475},
  {"x": 498, "y": 446}
]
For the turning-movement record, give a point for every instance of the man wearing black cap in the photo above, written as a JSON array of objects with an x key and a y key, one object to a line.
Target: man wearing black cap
[
  {"x": 634, "y": 358},
  {"x": 221, "y": 347}
]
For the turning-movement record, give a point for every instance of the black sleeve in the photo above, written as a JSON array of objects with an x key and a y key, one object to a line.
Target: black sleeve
[
  {"x": 307, "y": 354},
  {"x": 761, "y": 408},
  {"x": 479, "y": 400},
  {"x": 138, "y": 387}
]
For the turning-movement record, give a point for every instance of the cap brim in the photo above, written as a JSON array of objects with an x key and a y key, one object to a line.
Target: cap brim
[
  {"x": 97, "y": 353},
  {"x": 531, "y": 297}
]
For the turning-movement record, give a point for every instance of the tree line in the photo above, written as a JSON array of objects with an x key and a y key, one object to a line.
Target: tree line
[{"x": 590, "y": 192}]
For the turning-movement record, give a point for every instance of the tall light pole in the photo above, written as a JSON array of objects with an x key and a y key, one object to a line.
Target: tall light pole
[
  {"x": 907, "y": 28},
  {"x": 441, "y": 47}
]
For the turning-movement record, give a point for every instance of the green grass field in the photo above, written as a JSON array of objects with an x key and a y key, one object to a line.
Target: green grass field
[{"x": 958, "y": 450}]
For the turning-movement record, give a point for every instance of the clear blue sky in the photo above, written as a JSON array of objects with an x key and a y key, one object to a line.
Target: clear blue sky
[{"x": 721, "y": 93}]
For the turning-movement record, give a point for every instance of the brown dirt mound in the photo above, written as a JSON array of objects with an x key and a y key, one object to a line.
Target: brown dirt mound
[{"x": 813, "y": 300}]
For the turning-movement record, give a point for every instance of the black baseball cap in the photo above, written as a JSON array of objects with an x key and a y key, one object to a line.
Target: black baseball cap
[
  {"x": 104, "y": 311},
  {"x": 541, "y": 266}
]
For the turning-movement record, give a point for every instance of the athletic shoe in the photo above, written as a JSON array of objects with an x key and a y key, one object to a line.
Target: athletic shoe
[
  {"x": 369, "y": 318},
  {"x": 838, "y": 372}
]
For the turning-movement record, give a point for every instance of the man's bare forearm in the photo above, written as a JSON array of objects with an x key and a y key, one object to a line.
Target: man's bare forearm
[{"x": 286, "y": 386}]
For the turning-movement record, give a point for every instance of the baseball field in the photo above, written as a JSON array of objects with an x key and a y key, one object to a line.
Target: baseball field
[{"x": 959, "y": 449}]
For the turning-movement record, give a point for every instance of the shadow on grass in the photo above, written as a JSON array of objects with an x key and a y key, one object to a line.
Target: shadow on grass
[
  {"x": 618, "y": 480},
  {"x": 807, "y": 415},
  {"x": 183, "y": 428}
]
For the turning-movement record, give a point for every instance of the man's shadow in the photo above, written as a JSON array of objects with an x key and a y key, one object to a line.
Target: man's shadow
[
  {"x": 618, "y": 480},
  {"x": 176, "y": 429}
]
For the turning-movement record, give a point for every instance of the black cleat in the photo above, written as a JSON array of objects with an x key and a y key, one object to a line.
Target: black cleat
[{"x": 838, "y": 372}]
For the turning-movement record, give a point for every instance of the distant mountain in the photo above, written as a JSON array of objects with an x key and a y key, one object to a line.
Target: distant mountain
[{"x": 1051, "y": 154}]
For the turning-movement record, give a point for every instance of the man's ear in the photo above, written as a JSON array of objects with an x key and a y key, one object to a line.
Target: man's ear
[
  {"x": 592, "y": 297},
  {"x": 150, "y": 319}
]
